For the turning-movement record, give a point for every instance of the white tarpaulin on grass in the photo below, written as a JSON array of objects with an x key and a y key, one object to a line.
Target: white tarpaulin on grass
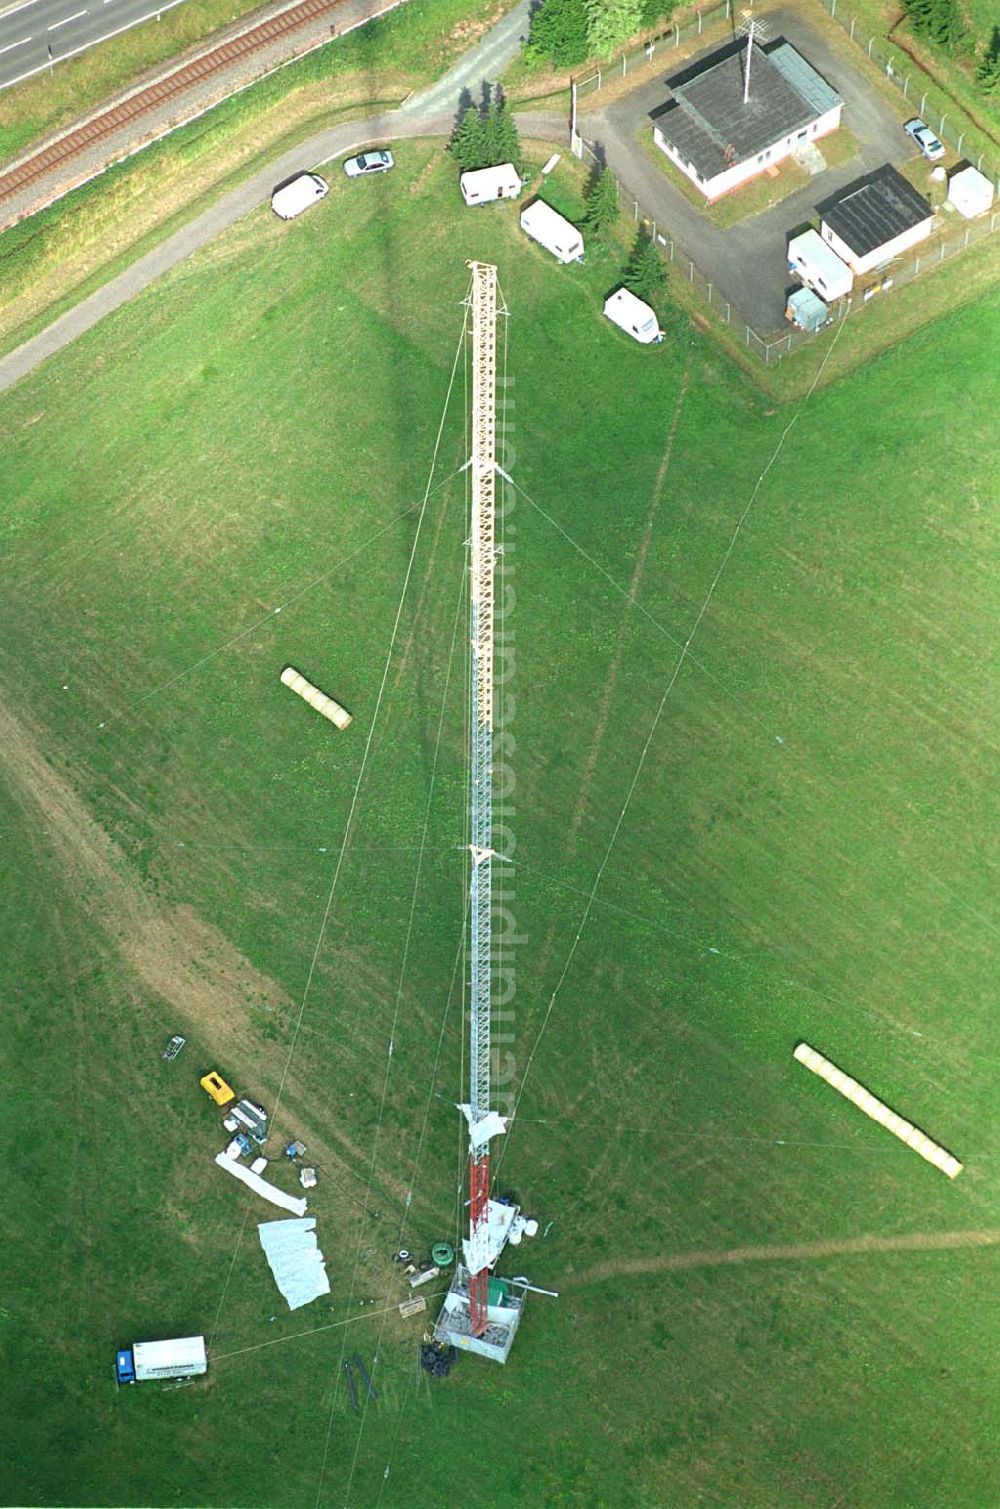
[
  {"x": 269, "y": 1191},
  {"x": 298, "y": 1266}
]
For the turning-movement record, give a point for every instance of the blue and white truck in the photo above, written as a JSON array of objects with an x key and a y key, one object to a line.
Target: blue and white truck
[{"x": 181, "y": 1358}]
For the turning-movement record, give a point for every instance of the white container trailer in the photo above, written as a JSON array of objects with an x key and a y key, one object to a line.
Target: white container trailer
[
  {"x": 292, "y": 198},
  {"x": 818, "y": 266},
  {"x": 633, "y": 316},
  {"x": 553, "y": 231},
  {"x": 183, "y": 1357},
  {"x": 483, "y": 185}
]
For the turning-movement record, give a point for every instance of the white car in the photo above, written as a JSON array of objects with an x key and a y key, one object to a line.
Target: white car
[
  {"x": 924, "y": 138},
  {"x": 368, "y": 162}
]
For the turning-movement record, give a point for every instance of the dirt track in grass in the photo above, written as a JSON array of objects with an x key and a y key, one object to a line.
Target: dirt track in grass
[
  {"x": 206, "y": 982},
  {"x": 914, "y": 1241}
]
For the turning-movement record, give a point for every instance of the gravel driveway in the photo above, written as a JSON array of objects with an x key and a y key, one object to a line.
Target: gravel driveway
[{"x": 746, "y": 263}]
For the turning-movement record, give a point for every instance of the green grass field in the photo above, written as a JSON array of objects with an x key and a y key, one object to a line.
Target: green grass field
[{"x": 765, "y": 1300}]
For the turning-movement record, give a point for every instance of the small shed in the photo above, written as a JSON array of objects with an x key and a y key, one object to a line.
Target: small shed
[
  {"x": 633, "y": 316},
  {"x": 970, "y": 192},
  {"x": 553, "y": 231},
  {"x": 483, "y": 185},
  {"x": 807, "y": 311},
  {"x": 818, "y": 265},
  {"x": 875, "y": 219}
]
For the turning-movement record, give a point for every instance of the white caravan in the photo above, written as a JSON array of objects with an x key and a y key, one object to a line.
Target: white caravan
[
  {"x": 553, "y": 231},
  {"x": 633, "y": 316}
]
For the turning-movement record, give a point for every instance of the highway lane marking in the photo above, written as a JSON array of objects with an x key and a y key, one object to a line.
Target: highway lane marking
[
  {"x": 66, "y": 20},
  {"x": 14, "y": 9},
  {"x": 11, "y": 45},
  {"x": 161, "y": 10}
]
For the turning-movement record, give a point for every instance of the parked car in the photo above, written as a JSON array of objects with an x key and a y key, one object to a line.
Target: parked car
[
  {"x": 924, "y": 138},
  {"x": 298, "y": 194},
  {"x": 368, "y": 162}
]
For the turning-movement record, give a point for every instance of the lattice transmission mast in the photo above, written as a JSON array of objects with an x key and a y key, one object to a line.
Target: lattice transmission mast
[
  {"x": 483, "y": 560},
  {"x": 473, "y": 1316}
]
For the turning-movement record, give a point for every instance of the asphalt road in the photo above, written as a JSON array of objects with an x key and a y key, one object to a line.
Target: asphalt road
[{"x": 38, "y": 34}]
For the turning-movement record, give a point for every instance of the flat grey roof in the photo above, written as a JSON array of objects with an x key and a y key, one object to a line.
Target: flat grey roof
[
  {"x": 874, "y": 210},
  {"x": 708, "y": 122},
  {"x": 803, "y": 78}
]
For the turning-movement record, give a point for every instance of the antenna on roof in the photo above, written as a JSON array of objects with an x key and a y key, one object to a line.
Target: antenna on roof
[{"x": 750, "y": 27}]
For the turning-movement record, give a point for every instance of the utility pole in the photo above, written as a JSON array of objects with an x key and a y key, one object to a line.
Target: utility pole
[{"x": 746, "y": 70}]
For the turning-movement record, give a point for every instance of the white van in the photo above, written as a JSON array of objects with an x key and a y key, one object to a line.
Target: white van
[{"x": 294, "y": 197}]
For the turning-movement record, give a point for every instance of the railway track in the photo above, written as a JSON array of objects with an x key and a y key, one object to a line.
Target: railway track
[{"x": 98, "y": 129}]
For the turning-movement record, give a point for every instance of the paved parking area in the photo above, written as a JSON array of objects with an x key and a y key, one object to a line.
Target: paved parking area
[{"x": 746, "y": 263}]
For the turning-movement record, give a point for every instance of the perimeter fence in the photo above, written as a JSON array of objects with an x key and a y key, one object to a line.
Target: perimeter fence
[
  {"x": 662, "y": 43},
  {"x": 771, "y": 348},
  {"x": 910, "y": 83}
]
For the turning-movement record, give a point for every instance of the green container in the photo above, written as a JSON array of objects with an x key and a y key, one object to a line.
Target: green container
[{"x": 442, "y": 1254}]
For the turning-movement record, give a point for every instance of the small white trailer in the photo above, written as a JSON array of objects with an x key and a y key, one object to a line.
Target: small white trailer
[
  {"x": 183, "y": 1357},
  {"x": 553, "y": 231},
  {"x": 294, "y": 197},
  {"x": 818, "y": 266},
  {"x": 633, "y": 316},
  {"x": 483, "y": 185}
]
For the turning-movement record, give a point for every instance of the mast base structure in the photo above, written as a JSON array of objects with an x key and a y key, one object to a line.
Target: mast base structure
[{"x": 505, "y": 1304}]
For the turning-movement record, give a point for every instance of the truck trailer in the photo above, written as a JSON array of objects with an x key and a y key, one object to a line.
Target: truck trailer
[{"x": 144, "y": 1360}]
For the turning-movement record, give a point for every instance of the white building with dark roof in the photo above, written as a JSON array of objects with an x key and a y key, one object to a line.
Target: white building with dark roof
[
  {"x": 874, "y": 219},
  {"x": 721, "y": 140}
]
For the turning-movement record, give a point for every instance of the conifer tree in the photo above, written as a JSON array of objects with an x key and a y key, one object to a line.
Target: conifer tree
[
  {"x": 468, "y": 144},
  {"x": 645, "y": 274},
  {"x": 988, "y": 66},
  {"x": 946, "y": 26},
  {"x": 505, "y": 144},
  {"x": 601, "y": 201}
]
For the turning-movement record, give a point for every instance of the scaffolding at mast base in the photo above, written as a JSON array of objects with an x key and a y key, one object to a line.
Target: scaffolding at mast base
[
  {"x": 479, "y": 1313},
  {"x": 503, "y": 1316}
]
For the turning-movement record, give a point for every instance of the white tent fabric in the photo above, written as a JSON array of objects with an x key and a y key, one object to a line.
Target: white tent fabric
[
  {"x": 298, "y": 1266},
  {"x": 269, "y": 1191},
  {"x": 971, "y": 192}
]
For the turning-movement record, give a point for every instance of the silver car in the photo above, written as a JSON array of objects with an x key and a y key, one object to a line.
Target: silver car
[
  {"x": 368, "y": 162},
  {"x": 924, "y": 138}
]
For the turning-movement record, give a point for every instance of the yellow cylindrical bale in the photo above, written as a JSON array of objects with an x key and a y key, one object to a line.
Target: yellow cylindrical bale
[
  {"x": 319, "y": 701},
  {"x": 873, "y": 1107}
]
